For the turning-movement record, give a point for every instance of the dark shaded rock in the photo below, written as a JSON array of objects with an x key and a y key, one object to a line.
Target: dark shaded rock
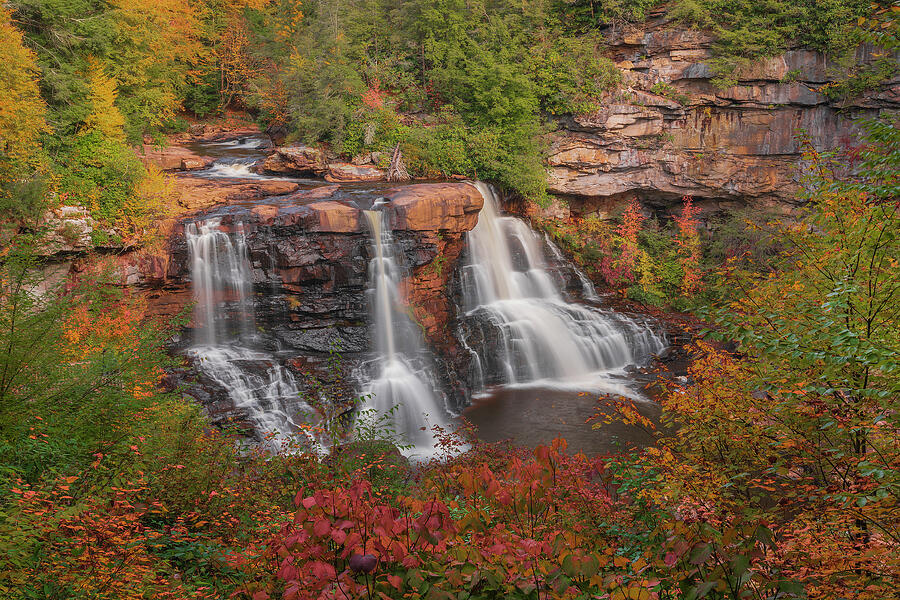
[
  {"x": 341, "y": 339},
  {"x": 309, "y": 257}
]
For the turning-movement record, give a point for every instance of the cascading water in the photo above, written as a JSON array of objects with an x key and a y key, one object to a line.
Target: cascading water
[
  {"x": 220, "y": 271},
  {"x": 233, "y": 168},
  {"x": 401, "y": 391},
  {"x": 516, "y": 316},
  {"x": 253, "y": 379}
]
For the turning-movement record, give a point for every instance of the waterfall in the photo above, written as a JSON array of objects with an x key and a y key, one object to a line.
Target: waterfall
[
  {"x": 220, "y": 269},
  {"x": 516, "y": 316},
  {"x": 255, "y": 382},
  {"x": 401, "y": 392}
]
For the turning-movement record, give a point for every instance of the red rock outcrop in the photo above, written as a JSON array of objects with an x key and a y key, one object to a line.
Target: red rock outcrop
[
  {"x": 210, "y": 132},
  {"x": 427, "y": 290},
  {"x": 435, "y": 207},
  {"x": 314, "y": 245},
  {"x": 440, "y": 214},
  {"x": 196, "y": 193},
  {"x": 341, "y": 172}
]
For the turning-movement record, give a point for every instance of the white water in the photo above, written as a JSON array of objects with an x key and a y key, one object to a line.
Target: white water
[
  {"x": 540, "y": 338},
  {"x": 401, "y": 395},
  {"x": 257, "y": 384},
  {"x": 233, "y": 169},
  {"x": 220, "y": 270},
  {"x": 248, "y": 143},
  {"x": 260, "y": 387}
]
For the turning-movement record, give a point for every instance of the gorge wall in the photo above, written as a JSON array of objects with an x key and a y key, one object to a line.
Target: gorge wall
[{"x": 668, "y": 131}]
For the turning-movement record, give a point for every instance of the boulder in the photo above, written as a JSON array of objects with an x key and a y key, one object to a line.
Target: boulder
[
  {"x": 173, "y": 158},
  {"x": 295, "y": 160},
  {"x": 328, "y": 216}
]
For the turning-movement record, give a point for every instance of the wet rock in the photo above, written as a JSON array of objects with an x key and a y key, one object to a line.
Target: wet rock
[
  {"x": 325, "y": 191},
  {"x": 330, "y": 217},
  {"x": 210, "y": 132},
  {"x": 194, "y": 193},
  {"x": 341, "y": 339},
  {"x": 435, "y": 207},
  {"x": 309, "y": 257}
]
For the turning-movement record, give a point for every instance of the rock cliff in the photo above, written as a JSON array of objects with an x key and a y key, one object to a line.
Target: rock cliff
[
  {"x": 309, "y": 252},
  {"x": 669, "y": 131}
]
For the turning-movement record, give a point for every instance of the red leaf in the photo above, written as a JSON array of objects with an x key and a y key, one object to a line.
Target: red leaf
[
  {"x": 321, "y": 570},
  {"x": 394, "y": 580},
  {"x": 322, "y": 528}
]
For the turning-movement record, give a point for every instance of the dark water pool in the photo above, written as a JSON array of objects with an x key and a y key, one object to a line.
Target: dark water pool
[{"x": 532, "y": 416}]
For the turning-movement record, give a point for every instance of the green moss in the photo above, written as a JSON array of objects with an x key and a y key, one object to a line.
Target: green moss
[{"x": 669, "y": 91}]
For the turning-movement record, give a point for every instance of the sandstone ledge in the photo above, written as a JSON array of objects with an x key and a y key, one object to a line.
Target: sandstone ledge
[
  {"x": 425, "y": 207},
  {"x": 670, "y": 132},
  {"x": 435, "y": 207},
  {"x": 196, "y": 193}
]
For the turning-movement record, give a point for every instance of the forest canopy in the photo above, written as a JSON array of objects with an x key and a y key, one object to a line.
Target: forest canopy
[{"x": 464, "y": 87}]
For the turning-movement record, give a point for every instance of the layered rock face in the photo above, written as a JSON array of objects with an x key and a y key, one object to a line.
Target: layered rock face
[
  {"x": 173, "y": 158},
  {"x": 197, "y": 193},
  {"x": 670, "y": 132},
  {"x": 309, "y": 253}
]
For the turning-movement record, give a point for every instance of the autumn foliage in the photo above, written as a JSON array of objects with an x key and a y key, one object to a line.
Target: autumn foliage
[
  {"x": 655, "y": 260},
  {"x": 509, "y": 531},
  {"x": 688, "y": 241}
]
